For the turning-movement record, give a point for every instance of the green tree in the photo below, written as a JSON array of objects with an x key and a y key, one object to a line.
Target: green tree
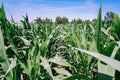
[
  {"x": 58, "y": 20},
  {"x": 87, "y": 21},
  {"x": 109, "y": 17},
  {"x": 78, "y": 21},
  {"x": 47, "y": 21},
  {"x": 38, "y": 20},
  {"x": 65, "y": 20},
  {"x": 61, "y": 20}
]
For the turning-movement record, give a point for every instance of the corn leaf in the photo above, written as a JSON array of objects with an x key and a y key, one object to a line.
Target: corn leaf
[
  {"x": 63, "y": 71},
  {"x": 110, "y": 61},
  {"x": 60, "y": 61},
  {"x": 3, "y": 59},
  {"x": 77, "y": 77},
  {"x": 98, "y": 28}
]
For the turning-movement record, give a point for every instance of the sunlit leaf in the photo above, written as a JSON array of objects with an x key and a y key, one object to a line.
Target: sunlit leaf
[{"x": 59, "y": 60}]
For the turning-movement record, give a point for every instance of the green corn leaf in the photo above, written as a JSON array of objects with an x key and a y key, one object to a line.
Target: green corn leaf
[
  {"x": 2, "y": 14},
  {"x": 102, "y": 67},
  {"x": 110, "y": 61},
  {"x": 3, "y": 59},
  {"x": 34, "y": 72},
  {"x": 98, "y": 28},
  {"x": 77, "y": 77},
  {"x": 11, "y": 66},
  {"x": 17, "y": 71},
  {"x": 63, "y": 71},
  {"x": 60, "y": 61},
  {"x": 105, "y": 72},
  {"x": 46, "y": 65}
]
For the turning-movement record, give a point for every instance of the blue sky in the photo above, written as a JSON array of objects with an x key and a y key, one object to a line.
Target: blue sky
[{"x": 84, "y": 9}]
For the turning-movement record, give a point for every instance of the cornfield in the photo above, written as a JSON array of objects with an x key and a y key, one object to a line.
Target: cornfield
[{"x": 86, "y": 51}]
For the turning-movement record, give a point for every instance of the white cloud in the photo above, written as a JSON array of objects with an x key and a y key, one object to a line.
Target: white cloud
[{"x": 87, "y": 10}]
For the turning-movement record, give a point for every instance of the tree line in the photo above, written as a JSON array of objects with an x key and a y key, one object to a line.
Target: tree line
[{"x": 108, "y": 18}]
